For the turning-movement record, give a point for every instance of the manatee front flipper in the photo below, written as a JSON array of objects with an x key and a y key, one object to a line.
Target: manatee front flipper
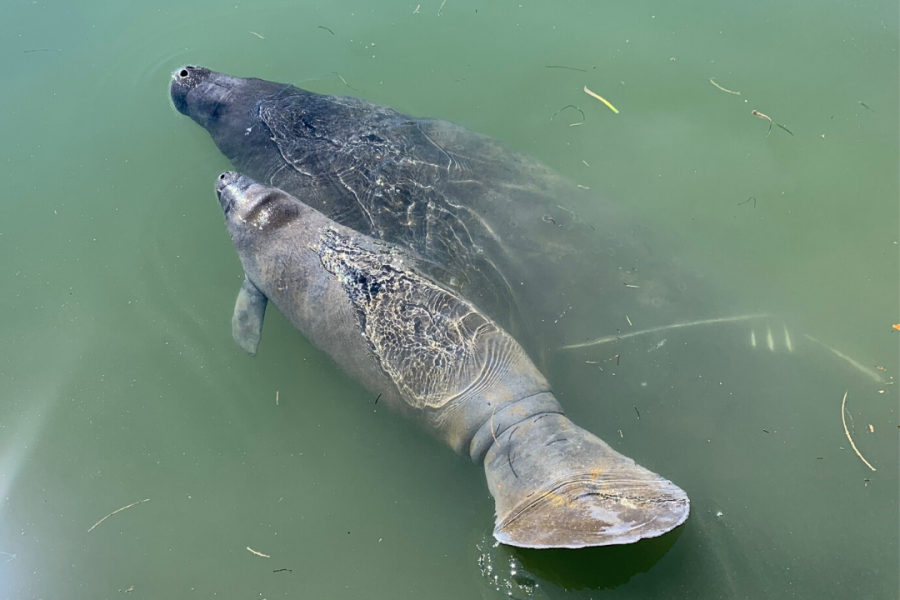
[{"x": 249, "y": 311}]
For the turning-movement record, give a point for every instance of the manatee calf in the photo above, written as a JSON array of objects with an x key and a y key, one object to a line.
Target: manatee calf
[{"x": 433, "y": 355}]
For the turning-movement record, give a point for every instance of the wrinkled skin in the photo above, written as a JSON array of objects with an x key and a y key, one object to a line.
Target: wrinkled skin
[{"x": 436, "y": 357}]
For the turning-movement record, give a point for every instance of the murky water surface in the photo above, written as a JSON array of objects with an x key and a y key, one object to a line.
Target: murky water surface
[{"x": 119, "y": 381}]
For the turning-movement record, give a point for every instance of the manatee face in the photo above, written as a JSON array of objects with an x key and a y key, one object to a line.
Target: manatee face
[
  {"x": 220, "y": 103},
  {"x": 248, "y": 205}
]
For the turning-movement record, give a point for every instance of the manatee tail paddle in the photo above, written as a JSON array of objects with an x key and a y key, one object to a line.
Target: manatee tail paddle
[{"x": 556, "y": 485}]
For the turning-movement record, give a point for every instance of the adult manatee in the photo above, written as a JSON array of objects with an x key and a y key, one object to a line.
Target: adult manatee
[
  {"x": 493, "y": 225},
  {"x": 433, "y": 355}
]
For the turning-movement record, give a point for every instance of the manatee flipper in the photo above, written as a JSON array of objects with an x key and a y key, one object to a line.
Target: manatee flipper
[
  {"x": 558, "y": 486},
  {"x": 249, "y": 311}
]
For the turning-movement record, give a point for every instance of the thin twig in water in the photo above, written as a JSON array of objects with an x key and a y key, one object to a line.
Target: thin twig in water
[
  {"x": 601, "y": 99},
  {"x": 276, "y": 397},
  {"x": 257, "y": 35},
  {"x": 638, "y": 413},
  {"x": 756, "y": 113},
  {"x": 116, "y": 511},
  {"x": 258, "y": 553},
  {"x": 569, "y": 106},
  {"x": 844, "y": 421},
  {"x": 442, "y": 7},
  {"x": 325, "y": 28},
  {"x": 712, "y": 80},
  {"x": 864, "y": 105},
  {"x": 345, "y": 82},
  {"x": 748, "y": 200},
  {"x": 562, "y": 67}
]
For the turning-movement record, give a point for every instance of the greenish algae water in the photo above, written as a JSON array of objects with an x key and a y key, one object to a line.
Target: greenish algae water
[{"x": 119, "y": 380}]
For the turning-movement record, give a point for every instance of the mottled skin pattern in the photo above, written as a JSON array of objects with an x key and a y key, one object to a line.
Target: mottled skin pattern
[
  {"x": 494, "y": 225},
  {"x": 433, "y": 355}
]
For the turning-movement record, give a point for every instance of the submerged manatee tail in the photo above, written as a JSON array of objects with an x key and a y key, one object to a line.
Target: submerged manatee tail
[{"x": 558, "y": 486}]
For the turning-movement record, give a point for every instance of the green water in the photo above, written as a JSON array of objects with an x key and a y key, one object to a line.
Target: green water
[{"x": 119, "y": 380}]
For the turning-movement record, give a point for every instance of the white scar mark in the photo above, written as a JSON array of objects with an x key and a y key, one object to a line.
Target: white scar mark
[
  {"x": 769, "y": 341},
  {"x": 860, "y": 367},
  {"x": 612, "y": 338},
  {"x": 752, "y": 338},
  {"x": 787, "y": 340}
]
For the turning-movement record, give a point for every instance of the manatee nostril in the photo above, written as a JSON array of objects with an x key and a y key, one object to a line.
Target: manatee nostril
[{"x": 183, "y": 73}]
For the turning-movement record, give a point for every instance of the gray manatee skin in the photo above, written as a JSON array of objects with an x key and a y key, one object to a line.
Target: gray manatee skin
[
  {"x": 493, "y": 225},
  {"x": 432, "y": 355}
]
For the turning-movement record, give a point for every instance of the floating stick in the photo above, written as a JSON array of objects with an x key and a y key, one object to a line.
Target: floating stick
[
  {"x": 601, "y": 99},
  {"x": 844, "y": 421},
  {"x": 118, "y": 511},
  {"x": 712, "y": 80}
]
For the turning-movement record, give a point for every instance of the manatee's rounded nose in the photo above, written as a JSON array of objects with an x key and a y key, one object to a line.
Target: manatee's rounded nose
[
  {"x": 225, "y": 179},
  {"x": 184, "y": 80}
]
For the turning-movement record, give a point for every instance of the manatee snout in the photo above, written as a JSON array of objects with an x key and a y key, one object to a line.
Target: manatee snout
[
  {"x": 249, "y": 204},
  {"x": 229, "y": 187},
  {"x": 214, "y": 100},
  {"x": 184, "y": 80}
]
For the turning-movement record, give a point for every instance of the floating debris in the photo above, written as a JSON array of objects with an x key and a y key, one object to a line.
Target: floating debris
[
  {"x": 252, "y": 551},
  {"x": 326, "y": 29},
  {"x": 257, "y": 35},
  {"x": 569, "y": 106},
  {"x": 748, "y": 200},
  {"x": 844, "y": 421},
  {"x": 116, "y": 511},
  {"x": 712, "y": 80},
  {"x": 562, "y": 67},
  {"x": 601, "y": 99},
  {"x": 347, "y": 84},
  {"x": 864, "y": 105},
  {"x": 756, "y": 113}
]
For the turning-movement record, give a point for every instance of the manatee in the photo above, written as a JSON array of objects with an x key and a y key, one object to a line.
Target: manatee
[
  {"x": 491, "y": 224},
  {"x": 433, "y": 355}
]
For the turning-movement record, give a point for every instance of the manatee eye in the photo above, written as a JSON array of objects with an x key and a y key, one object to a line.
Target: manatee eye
[
  {"x": 183, "y": 73},
  {"x": 222, "y": 176}
]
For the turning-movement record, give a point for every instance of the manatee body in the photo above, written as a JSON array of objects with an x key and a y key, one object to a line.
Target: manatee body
[
  {"x": 433, "y": 355},
  {"x": 493, "y": 225}
]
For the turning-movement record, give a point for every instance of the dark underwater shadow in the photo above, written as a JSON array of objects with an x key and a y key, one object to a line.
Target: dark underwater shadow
[{"x": 596, "y": 568}]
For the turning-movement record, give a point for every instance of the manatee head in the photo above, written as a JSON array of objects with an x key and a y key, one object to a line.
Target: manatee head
[
  {"x": 252, "y": 209},
  {"x": 225, "y": 106}
]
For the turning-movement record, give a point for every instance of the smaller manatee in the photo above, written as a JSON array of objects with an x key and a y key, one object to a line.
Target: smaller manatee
[{"x": 434, "y": 356}]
